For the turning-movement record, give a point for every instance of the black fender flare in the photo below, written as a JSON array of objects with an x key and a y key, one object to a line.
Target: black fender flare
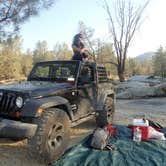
[
  {"x": 31, "y": 106},
  {"x": 102, "y": 97}
]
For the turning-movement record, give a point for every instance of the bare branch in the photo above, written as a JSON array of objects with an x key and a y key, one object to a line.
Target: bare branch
[{"x": 123, "y": 25}]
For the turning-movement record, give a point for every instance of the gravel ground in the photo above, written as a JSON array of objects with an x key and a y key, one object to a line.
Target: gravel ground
[
  {"x": 15, "y": 153},
  {"x": 153, "y": 108}
]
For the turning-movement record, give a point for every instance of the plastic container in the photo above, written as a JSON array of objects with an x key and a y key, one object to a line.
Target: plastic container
[
  {"x": 144, "y": 131},
  {"x": 137, "y": 134},
  {"x": 143, "y": 125},
  {"x": 140, "y": 122}
]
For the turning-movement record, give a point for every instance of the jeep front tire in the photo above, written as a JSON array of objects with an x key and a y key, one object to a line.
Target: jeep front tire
[{"x": 52, "y": 135}]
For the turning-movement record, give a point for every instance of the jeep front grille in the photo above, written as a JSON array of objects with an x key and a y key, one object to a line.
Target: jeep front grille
[{"x": 7, "y": 103}]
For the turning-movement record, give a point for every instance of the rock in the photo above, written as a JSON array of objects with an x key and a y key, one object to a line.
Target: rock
[
  {"x": 141, "y": 89},
  {"x": 139, "y": 92},
  {"x": 129, "y": 85},
  {"x": 152, "y": 80},
  {"x": 139, "y": 78},
  {"x": 134, "y": 89},
  {"x": 160, "y": 89},
  {"x": 124, "y": 95},
  {"x": 143, "y": 92}
]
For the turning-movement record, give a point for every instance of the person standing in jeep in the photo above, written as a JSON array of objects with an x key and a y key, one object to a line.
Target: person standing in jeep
[{"x": 79, "y": 50}]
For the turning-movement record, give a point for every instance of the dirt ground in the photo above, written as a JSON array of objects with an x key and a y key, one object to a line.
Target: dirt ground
[{"x": 15, "y": 153}]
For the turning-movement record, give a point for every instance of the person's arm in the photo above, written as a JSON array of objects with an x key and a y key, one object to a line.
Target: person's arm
[{"x": 75, "y": 48}]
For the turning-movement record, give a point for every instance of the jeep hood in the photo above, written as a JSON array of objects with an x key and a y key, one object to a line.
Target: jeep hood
[{"x": 36, "y": 88}]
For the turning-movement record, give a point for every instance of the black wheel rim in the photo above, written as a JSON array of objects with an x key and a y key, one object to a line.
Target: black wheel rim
[
  {"x": 109, "y": 109},
  {"x": 55, "y": 136}
]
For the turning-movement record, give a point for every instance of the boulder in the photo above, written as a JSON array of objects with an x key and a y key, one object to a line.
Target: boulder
[
  {"x": 160, "y": 89},
  {"x": 137, "y": 87},
  {"x": 129, "y": 85},
  {"x": 124, "y": 95},
  {"x": 152, "y": 80}
]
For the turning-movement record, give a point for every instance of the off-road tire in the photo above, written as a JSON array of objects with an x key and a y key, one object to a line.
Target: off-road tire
[
  {"x": 52, "y": 135},
  {"x": 106, "y": 116}
]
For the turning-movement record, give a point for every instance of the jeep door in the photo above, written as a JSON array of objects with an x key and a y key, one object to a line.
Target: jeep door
[{"x": 86, "y": 91}]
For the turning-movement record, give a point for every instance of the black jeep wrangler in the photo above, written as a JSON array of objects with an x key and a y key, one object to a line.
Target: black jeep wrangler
[{"x": 56, "y": 96}]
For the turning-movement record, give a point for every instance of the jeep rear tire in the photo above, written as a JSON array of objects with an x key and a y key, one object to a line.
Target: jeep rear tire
[
  {"x": 105, "y": 116},
  {"x": 52, "y": 135}
]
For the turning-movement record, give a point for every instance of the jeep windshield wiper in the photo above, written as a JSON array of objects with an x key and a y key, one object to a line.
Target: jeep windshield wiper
[
  {"x": 38, "y": 79},
  {"x": 59, "y": 79}
]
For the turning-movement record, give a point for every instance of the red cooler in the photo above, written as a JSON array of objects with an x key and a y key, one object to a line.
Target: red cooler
[
  {"x": 143, "y": 125},
  {"x": 144, "y": 131}
]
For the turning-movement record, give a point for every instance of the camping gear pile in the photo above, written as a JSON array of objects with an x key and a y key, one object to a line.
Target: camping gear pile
[
  {"x": 124, "y": 151},
  {"x": 101, "y": 136},
  {"x": 142, "y": 130}
]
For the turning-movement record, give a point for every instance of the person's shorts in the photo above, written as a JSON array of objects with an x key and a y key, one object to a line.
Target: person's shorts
[{"x": 77, "y": 57}]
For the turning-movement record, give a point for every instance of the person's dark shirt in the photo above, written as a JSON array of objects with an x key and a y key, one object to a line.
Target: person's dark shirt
[{"x": 77, "y": 43}]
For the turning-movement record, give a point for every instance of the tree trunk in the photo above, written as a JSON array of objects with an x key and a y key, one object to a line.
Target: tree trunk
[{"x": 121, "y": 75}]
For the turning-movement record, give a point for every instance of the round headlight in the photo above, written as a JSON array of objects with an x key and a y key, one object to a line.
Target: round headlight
[{"x": 19, "y": 102}]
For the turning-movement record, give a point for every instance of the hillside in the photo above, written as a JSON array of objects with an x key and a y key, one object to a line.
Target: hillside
[{"x": 145, "y": 56}]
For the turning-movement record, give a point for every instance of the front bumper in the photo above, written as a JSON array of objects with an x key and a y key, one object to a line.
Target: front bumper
[{"x": 16, "y": 130}]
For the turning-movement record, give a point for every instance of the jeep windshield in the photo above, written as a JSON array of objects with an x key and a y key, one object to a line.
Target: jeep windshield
[{"x": 59, "y": 71}]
